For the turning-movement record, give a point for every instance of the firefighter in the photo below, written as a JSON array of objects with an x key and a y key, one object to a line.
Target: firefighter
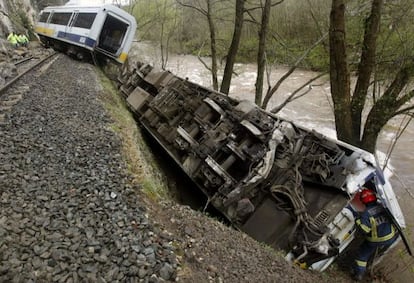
[{"x": 377, "y": 228}]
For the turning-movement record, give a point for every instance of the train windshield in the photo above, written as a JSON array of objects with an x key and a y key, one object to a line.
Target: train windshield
[{"x": 112, "y": 34}]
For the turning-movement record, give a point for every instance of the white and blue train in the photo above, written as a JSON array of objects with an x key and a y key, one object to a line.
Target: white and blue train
[{"x": 106, "y": 31}]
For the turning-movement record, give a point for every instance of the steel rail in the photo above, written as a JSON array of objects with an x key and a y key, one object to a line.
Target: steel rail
[
  {"x": 10, "y": 83},
  {"x": 23, "y": 60}
]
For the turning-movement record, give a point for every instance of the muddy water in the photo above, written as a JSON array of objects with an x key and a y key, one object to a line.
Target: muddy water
[{"x": 314, "y": 110}]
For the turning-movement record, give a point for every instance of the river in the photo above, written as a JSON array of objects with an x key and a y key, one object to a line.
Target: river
[{"x": 313, "y": 110}]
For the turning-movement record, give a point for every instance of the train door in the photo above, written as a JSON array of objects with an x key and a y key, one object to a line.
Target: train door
[{"x": 112, "y": 35}]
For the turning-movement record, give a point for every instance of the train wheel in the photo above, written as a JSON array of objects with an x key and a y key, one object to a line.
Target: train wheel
[{"x": 80, "y": 56}]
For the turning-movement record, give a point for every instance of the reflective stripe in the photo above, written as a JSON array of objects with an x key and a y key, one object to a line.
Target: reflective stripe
[
  {"x": 364, "y": 227},
  {"x": 361, "y": 263},
  {"x": 383, "y": 238},
  {"x": 374, "y": 232}
]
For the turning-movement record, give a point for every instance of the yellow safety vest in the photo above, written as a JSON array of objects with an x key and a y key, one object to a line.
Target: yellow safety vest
[
  {"x": 370, "y": 222},
  {"x": 20, "y": 39},
  {"x": 13, "y": 39}
]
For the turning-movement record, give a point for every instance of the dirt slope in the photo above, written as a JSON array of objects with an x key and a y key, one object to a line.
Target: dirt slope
[{"x": 209, "y": 251}]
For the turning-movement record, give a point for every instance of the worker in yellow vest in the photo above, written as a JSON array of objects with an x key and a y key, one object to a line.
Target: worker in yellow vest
[
  {"x": 13, "y": 39},
  {"x": 22, "y": 40},
  {"x": 10, "y": 36}
]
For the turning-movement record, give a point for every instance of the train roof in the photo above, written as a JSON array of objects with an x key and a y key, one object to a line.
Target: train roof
[
  {"x": 109, "y": 7},
  {"x": 80, "y": 6}
]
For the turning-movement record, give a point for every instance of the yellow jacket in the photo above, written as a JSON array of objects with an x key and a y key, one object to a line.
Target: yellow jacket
[
  {"x": 22, "y": 38},
  {"x": 13, "y": 38}
]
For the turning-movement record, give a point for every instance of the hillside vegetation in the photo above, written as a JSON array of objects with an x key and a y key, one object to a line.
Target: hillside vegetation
[{"x": 293, "y": 28}]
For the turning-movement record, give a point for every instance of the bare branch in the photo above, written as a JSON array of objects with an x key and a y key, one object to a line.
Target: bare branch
[
  {"x": 253, "y": 19},
  {"x": 260, "y": 7},
  {"x": 403, "y": 110},
  {"x": 315, "y": 19},
  {"x": 200, "y": 59},
  {"x": 294, "y": 95},
  {"x": 270, "y": 93},
  {"x": 200, "y": 10},
  {"x": 400, "y": 131}
]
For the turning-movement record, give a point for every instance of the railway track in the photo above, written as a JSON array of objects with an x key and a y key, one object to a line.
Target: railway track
[
  {"x": 24, "y": 60},
  {"x": 11, "y": 93}
]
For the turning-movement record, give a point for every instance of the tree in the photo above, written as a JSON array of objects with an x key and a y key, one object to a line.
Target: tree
[
  {"x": 234, "y": 46},
  {"x": 212, "y": 44},
  {"x": 157, "y": 20},
  {"x": 208, "y": 13},
  {"x": 166, "y": 31},
  {"x": 348, "y": 108},
  {"x": 261, "y": 60}
]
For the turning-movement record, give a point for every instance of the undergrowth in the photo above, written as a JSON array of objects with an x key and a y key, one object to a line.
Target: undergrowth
[{"x": 138, "y": 157}]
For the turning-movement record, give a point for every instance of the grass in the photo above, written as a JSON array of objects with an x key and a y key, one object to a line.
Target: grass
[{"x": 138, "y": 157}]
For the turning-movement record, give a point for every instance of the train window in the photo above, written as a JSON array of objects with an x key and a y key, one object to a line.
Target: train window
[
  {"x": 43, "y": 17},
  {"x": 60, "y": 18},
  {"x": 84, "y": 20}
]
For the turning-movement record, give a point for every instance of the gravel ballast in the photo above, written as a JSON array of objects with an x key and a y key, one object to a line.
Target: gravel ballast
[{"x": 68, "y": 213}]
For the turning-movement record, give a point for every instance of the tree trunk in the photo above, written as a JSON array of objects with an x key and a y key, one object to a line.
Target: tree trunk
[
  {"x": 261, "y": 59},
  {"x": 386, "y": 107},
  {"x": 212, "y": 45},
  {"x": 366, "y": 66},
  {"x": 231, "y": 55},
  {"x": 212, "y": 29},
  {"x": 348, "y": 115},
  {"x": 340, "y": 77}
]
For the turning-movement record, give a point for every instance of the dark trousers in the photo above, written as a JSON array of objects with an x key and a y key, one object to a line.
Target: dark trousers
[{"x": 366, "y": 251}]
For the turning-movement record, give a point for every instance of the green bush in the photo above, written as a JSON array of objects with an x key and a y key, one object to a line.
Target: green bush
[
  {"x": 248, "y": 50},
  {"x": 318, "y": 59}
]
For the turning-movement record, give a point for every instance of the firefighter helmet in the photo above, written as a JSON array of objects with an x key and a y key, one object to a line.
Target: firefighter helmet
[{"x": 368, "y": 196}]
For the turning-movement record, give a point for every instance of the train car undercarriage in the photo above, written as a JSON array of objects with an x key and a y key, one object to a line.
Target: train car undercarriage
[{"x": 281, "y": 184}]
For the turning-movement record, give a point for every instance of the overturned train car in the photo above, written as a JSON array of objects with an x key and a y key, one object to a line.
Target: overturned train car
[{"x": 281, "y": 184}]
